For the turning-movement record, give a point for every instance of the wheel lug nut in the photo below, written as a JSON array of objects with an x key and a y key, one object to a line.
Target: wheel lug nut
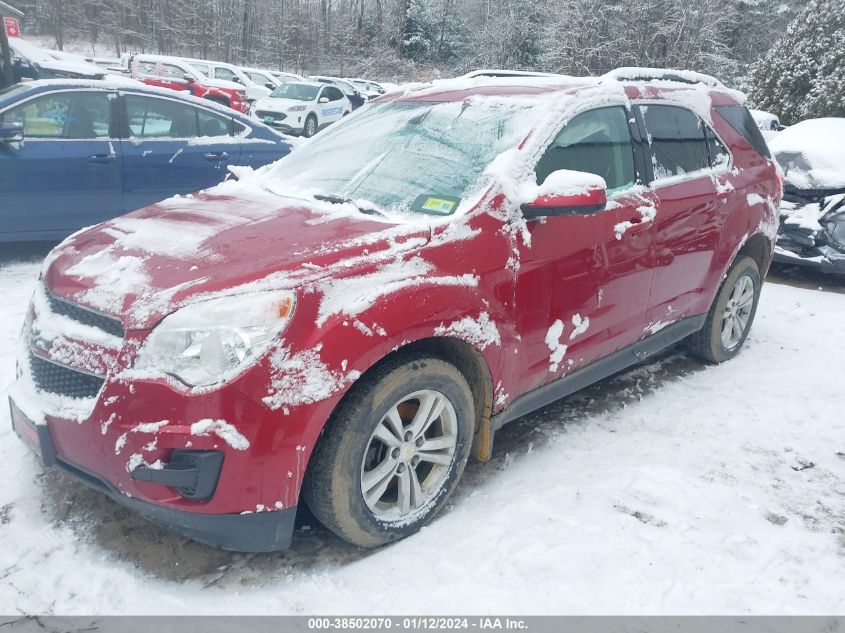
[
  {"x": 394, "y": 453},
  {"x": 415, "y": 460},
  {"x": 420, "y": 441},
  {"x": 401, "y": 468},
  {"x": 408, "y": 436}
]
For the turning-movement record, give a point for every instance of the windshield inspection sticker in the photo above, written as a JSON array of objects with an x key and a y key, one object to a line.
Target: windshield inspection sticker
[{"x": 438, "y": 205}]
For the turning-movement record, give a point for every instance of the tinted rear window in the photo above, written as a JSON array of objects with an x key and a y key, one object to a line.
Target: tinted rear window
[{"x": 740, "y": 119}]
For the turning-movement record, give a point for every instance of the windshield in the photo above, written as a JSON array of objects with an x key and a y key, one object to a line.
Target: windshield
[
  {"x": 260, "y": 79},
  {"x": 300, "y": 92},
  {"x": 406, "y": 150}
]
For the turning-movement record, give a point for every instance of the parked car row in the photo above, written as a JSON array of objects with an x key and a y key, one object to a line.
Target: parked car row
[
  {"x": 244, "y": 89},
  {"x": 74, "y": 153}
]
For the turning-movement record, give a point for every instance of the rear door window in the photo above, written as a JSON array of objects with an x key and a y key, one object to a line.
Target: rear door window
[
  {"x": 151, "y": 117},
  {"x": 598, "y": 142},
  {"x": 677, "y": 140},
  {"x": 740, "y": 119}
]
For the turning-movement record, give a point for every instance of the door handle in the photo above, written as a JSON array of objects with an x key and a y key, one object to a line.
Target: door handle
[
  {"x": 102, "y": 158},
  {"x": 217, "y": 156}
]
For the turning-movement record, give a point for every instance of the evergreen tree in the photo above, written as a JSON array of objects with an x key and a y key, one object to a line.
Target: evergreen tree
[{"x": 803, "y": 74}]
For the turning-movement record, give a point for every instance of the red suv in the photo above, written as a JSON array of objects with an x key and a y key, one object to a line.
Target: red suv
[
  {"x": 177, "y": 74},
  {"x": 345, "y": 328}
]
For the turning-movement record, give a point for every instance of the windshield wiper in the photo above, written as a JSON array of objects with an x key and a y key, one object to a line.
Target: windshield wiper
[{"x": 344, "y": 200}]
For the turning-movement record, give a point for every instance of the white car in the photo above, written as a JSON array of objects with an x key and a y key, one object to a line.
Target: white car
[
  {"x": 302, "y": 107},
  {"x": 228, "y": 72},
  {"x": 284, "y": 77},
  {"x": 262, "y": 77},
  {"x": 369, "y": 89}
]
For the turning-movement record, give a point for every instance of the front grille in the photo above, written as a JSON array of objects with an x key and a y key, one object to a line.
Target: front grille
[
  {"x": 276, "y": 116},
  {"x": 63, "y": 381},
  {"x": 85, "y": 316}
]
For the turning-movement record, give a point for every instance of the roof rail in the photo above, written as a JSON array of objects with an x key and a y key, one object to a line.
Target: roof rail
[{"x": 662, "y": 74}]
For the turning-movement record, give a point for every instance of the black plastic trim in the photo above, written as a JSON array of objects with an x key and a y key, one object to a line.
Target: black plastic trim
[
  {"x": 532, "y": 212},
  {"x": 598, "y": 370},
  {"x": 194, "y": 474},
  {"x": 253, "y": 532}
]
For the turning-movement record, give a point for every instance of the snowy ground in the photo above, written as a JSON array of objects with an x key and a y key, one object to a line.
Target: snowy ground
[{"x": 672, "y": 488}]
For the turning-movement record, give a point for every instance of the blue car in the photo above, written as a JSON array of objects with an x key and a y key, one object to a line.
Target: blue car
[{"x": 75, "y": 153}]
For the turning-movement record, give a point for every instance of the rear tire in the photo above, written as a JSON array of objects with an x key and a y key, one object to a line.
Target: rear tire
[
  {"x": 731, "y": 315},
  {"x": 381, "y": 471}
]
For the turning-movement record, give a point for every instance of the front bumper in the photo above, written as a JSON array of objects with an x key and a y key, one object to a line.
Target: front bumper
[
  {"x": 242, "y": 532},
  {"x": 78, "y": 405}
]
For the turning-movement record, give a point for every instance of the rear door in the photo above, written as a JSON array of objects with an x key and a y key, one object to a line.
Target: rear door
[
  {"x": 172, "y": 147},
  {"x": 66, "y": 174},
  {"x": 693, "y": 193}
]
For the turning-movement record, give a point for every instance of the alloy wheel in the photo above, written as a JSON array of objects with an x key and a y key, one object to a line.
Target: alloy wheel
[
  {"x": 409, "y": 455},
  {"x": 737, "y": 312}
]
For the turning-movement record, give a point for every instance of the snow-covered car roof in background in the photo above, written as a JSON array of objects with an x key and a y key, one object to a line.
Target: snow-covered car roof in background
[
  {"x": 503, "y": 72},
  {"x": 812, "y": 153},
  {"x": 761, "y": 116},
  {"x": 54, "y": 60}
]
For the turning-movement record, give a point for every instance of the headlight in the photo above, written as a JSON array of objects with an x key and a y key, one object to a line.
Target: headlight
[
  {"x": 298, "y": 108},
  {"x": 211, "y": 342}
]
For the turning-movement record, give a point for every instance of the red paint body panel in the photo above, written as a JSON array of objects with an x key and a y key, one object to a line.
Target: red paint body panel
[{"x": 525, "y": 278}]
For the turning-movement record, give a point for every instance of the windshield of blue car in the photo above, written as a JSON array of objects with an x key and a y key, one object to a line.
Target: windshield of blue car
[
  {"x": 404, "y": 150},
  {"x": 300, "y": 92}
]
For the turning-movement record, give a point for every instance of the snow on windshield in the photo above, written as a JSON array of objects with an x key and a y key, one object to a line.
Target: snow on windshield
[
  {"x": 403, "y": 150},
  {"x": 809, "y": 156}
]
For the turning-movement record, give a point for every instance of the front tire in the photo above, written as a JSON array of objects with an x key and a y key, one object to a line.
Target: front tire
[
  {"x": 392, "y": 454},
  {"x": 310, "y": 127},
  {"x": 731, "y": 315}
]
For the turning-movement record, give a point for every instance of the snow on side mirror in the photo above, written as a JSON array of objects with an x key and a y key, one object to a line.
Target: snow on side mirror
[
  {"x": 564, "y": 192},
  {"x": 323, "y": 100}
]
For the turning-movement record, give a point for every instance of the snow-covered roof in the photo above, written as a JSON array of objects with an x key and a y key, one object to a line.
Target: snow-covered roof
[
  {"x": 810, "y": 155},
  {"x": 632, "y": 73},
  {"x": 504, "y": 72}
]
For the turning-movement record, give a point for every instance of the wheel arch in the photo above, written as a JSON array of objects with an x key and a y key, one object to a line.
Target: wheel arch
[
  {"x": 759, "y": 248},
  {"x": 468, "y": 360}
]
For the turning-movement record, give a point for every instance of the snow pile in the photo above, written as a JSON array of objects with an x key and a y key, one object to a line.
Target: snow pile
[
  {"x": 353, "y": 295},
  {"x": 812, "y": 153},
  {"x": 303, "y": 378},
  {"x": 580, "y": 325},
  {"x": 563, "y": 182},
  {"x": 556, "y": 348},
  {"x": 481, "y": 332},
  {"x": 223, "y": 430}
]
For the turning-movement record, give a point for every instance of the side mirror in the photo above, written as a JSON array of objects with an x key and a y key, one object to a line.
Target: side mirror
[
  {"x": 11, "y": 132},
  {"x": 565, "y": 192},
  {"x": 189, "y": 78},
  {"x": 323, "y": 100},
  {"x": 269, "y": 85}
]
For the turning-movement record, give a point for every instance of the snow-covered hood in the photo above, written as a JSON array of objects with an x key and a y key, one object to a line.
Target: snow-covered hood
[
  {"x": 142, "y": 266},
  {"x": 56, "y": 61},
  {"x": 812, "y": 153},
  {"x": 278, "y": 104}
]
